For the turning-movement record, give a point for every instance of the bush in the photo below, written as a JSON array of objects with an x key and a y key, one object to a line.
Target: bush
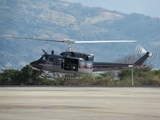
[{"x": 29, "y": 76}]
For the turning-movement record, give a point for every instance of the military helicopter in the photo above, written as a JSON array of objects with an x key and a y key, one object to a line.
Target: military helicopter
[{"x": 81, "y": 63}]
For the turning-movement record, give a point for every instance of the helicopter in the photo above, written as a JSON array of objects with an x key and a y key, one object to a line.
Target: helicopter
[{"x": 70, "y": 62}]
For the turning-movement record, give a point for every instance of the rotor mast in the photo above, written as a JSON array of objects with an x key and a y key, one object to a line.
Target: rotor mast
[
  {"x": 69, "y": 41},
  {"x": 69, "y": 46}
]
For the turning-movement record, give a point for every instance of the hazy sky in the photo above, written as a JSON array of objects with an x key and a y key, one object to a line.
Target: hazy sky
[{"x": 147, "y": 7}]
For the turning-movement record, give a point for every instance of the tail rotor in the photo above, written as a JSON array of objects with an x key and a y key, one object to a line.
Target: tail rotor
[{"x": 140, "y": 49}]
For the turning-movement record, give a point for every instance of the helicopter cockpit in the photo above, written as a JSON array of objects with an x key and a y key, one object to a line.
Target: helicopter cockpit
[{"x": 43, "y": 58}]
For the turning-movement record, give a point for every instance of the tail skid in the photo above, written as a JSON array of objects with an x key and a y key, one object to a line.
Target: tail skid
[{"x": 145, "y": 56}]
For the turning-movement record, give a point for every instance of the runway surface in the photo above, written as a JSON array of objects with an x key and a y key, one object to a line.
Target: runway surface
[{"x": 79, "y": 103}]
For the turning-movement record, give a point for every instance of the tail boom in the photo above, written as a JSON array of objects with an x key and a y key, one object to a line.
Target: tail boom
[{"x": 105, "y": 66}]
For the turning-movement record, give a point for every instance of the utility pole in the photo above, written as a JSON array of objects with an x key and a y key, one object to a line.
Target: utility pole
[{"x": 132, "y": 78}]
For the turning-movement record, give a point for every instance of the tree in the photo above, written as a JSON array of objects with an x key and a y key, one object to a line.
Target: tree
[
  {"x": 26, "y": 76},
  {"x": 8, "y": 77},
  {"x": 29, "y": 76},
  {"x": 129, "y": 59}
]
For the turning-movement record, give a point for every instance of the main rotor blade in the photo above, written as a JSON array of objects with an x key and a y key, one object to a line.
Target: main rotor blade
[
  {"x": 106, "y": 41},
  {"x": 8, "y": 36},
  {"x": 72, "y": 41}
]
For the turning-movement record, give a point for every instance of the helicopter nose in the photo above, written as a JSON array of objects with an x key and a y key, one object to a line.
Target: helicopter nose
[{"x": 35, "y": 64}]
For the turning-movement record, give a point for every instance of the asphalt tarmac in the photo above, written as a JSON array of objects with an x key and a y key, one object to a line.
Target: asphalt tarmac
[{"x": 79, "y": 103}]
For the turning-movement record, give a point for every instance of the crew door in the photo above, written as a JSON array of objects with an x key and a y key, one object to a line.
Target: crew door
[{"x": 70, "y": 64}]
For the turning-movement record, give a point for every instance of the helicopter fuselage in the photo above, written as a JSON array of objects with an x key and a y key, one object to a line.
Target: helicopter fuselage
[
  {"x": 77, "y": 63},
  {"x": 66, "y": 62}
]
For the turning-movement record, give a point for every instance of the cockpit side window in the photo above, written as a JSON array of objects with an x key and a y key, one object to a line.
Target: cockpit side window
[{"x": 51, "y": 59}]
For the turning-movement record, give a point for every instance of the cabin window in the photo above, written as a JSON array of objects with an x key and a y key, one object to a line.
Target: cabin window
[
  {"x": 89, "y": 64},
  {"x": 51, "y": 59},
  {"x": 82, "y": 63}
]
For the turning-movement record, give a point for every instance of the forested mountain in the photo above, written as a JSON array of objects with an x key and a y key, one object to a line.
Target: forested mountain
[{"x": 57, "y": 19}]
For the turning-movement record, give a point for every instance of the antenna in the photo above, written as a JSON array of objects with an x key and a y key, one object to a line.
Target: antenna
[{"x": 44, "y": 51}]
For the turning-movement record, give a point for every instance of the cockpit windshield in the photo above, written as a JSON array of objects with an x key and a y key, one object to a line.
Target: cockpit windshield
[{"x": 43, "y": 58}]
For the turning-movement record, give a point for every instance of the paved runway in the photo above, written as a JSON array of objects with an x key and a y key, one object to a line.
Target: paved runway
[{"x": 79, "y": 103}]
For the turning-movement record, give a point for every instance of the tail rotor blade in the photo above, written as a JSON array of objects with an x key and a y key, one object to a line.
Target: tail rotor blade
[
  {"x": 140, "y": 49},
  {"x": 153, "y": 56}
]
